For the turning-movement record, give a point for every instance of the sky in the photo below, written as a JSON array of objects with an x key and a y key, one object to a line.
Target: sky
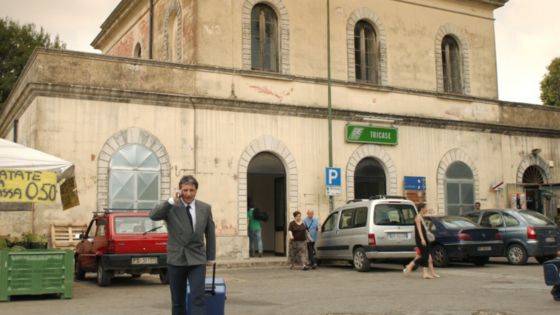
[{"x": 527, "y": 35}]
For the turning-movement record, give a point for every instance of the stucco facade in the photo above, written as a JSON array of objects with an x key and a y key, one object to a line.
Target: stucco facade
[{"x": 203, "y": 112}]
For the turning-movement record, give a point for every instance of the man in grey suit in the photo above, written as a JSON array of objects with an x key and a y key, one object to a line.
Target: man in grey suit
[{"x": 187, "y": 252}]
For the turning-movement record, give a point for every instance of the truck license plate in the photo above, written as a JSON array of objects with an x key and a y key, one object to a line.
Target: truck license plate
[
  {"x": 484, "y": 248},
  {"x": 144, "y": 260},
  {"x": 399, "y": 236},
  {"x": 550, "y": 239}
]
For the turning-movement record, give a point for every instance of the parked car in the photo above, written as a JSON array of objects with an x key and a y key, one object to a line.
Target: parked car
[
  {"x": 124, "y": 241},
  {"x": 363, "y": 231},
  {"x": 525, "y": 233},
  {"x": 460, "y": 239}
]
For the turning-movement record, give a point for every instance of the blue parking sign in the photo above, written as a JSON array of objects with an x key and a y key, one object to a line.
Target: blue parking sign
[
  {"x": 333, "y": 176},
  {"x": 333, "y": 180}
]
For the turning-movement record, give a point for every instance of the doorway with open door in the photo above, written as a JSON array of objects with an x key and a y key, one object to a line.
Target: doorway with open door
[
  {"x": 369, "y": 179},
  {"x": 266, "y": 190}
]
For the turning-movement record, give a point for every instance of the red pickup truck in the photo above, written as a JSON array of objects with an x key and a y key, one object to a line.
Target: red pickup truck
[{"x": 122, "y": 241}]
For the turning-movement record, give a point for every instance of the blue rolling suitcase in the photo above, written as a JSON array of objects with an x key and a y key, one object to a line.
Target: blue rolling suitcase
[
  {"x": 552, "y": 271},
  {"x": 215, "y": 295}
]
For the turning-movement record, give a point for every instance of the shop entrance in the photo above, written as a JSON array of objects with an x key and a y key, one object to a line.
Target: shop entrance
[
  {"x": 533, "y": 175},
  {"x": 266, "y": 189},
  {"x": 369, "y": 179}
]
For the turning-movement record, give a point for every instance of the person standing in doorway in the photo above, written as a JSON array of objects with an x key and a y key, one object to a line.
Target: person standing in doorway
[
  {"x": 312, "y": 225},
  {"x": 255, "y": 234},
  {"x": 477, "y": 205},
  {"x": 189, "y": 224}
]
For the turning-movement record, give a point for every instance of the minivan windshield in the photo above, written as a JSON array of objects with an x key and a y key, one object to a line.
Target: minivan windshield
[
  {"x": 535, "y": 218},
  {"x": 394, "y": 214},
  {"x": 138, "y": 225}
]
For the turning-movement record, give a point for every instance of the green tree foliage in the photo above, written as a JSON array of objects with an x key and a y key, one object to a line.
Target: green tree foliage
[
  {"x": 17, "y": 42},
  {"x": 550, "y": 85}
]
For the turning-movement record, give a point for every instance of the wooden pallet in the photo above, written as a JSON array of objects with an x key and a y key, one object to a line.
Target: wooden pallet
[{"x": 64, "y": 236}]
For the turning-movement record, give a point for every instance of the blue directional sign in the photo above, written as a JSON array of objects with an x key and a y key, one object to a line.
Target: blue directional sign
[
  {"x": 333, "y": 180},
  {"x": 415, "y": 183}
]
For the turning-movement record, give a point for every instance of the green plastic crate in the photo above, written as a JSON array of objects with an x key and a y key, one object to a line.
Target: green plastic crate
[{"x": 34, "y": 272}]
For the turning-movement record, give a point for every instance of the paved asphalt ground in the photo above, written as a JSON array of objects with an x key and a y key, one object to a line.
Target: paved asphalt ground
[{"x": 497, "y": 288}]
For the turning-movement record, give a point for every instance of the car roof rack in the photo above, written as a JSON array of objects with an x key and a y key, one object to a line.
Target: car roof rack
[
  {"x": 386, "y": 197},
  {"x": 355, "y": 200},
  {"x": 117, "y": 210}
]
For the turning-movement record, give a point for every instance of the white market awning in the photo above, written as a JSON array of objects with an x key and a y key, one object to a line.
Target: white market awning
[{"x": 17, "y": 156}]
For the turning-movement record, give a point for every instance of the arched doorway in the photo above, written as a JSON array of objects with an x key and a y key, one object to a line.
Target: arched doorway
[
  {"x": 266, "y": 189},
  {"x": 459, "y": 189},
  {"x": 533, "y": 175},
  {"x": 369, "y": 179}
]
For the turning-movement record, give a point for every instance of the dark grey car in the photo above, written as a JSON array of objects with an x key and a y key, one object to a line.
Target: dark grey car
[{"x": 525, "y": 233}]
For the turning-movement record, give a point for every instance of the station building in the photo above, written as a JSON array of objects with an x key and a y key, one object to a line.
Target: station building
[{"x": 237, "y": 94}]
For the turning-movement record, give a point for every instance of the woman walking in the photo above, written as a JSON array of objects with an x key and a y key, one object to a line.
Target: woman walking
[
  {"x": 423, "y": 243},
  {"x": 297, "y": 235}
]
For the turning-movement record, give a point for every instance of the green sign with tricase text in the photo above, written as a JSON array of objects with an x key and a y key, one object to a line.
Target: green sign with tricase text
[{"x": 369, "y": 134}]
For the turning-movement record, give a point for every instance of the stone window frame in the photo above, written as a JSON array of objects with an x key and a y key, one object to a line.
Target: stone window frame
[
  {"x": 378, "y": 153},
  {"x": 274, "y": 146},
  {"x": 532, "y": 160},
  {"x": 460, "y": 37},
  {"x": 115, "y": 143},
  {"x": 452, "y": 156},
  {"x": 173, "y": 8},
  {"x": 283, "y": 33},
  {"x": 365, "y": 14}
]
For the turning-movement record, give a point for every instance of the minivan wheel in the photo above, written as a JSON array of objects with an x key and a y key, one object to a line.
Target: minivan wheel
[
  {"x": 361, "y": 262},
  {"x": 103, "y": 276},
  {"x": 516, "y": 255},
  {"x": 439, "y": 256}
]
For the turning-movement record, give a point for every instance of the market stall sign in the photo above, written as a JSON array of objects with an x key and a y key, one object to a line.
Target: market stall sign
[
  {"x": 369, "y": 134},
  {"x": 27, "y": 186}
]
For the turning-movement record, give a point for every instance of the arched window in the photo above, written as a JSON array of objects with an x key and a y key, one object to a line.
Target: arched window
[
  {"x": 452, "y": 64},
  {"x": 264, "y": 39},
  {"x": 134, "y": 178},
  {"x": 369, "y": 179},
  {"x": 366, "y": 50},
  {"x": 459, "y": 189},
  {"x": 137, "y": 51}
]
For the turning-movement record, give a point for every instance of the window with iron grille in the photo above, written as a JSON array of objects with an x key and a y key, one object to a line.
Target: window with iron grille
[
  {"x": 366, "y": 49},
  {"x": 134, "y": 178},
  {"x": 459, "y": 189},
  {"x": 264, "y": 39},
  {"x": 451, "y": 62}
]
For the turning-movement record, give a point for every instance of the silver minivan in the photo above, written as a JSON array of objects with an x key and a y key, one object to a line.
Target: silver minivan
[{"x": 363, "y": 231}]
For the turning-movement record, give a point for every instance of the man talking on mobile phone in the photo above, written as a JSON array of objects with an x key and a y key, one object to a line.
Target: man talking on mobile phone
[{"x": 189, "y": 224}]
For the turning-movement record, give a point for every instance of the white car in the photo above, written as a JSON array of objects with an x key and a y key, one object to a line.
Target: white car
[{"x": 363, "y": 231}]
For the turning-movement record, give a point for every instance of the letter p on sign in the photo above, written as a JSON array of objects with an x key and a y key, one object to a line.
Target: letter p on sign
[{"x": 333, "y": 176}]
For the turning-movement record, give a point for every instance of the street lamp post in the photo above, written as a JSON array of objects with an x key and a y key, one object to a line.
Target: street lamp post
[{"x": 329, "y": 83}]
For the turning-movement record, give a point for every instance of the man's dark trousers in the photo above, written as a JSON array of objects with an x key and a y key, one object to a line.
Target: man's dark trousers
[
  {"x": 311, "y": 253},
  {"x": 178, "y": 276}
]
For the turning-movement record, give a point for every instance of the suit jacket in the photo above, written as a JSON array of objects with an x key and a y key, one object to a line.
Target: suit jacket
[{"x": 185, "y": 247}]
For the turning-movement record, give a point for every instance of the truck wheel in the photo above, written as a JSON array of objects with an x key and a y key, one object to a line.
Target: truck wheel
[
  {"x": 361, "y": 262},
  {"x": 103, "y": 276},
  {"x": 516, "y": 255},
  {"x": 79, "y": 273},
  {"x": 163, "y": 278}
]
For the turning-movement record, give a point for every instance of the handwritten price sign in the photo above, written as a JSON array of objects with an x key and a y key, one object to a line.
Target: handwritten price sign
[{"x": 27, "y": 186}]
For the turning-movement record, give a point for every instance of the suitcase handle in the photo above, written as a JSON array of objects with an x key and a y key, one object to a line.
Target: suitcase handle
[{"x": 214, "y": 278}]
